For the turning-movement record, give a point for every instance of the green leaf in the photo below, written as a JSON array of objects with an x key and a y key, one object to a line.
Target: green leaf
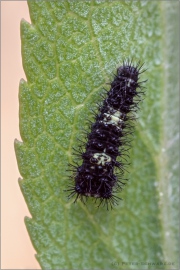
[{"x": 69, "y": 53}]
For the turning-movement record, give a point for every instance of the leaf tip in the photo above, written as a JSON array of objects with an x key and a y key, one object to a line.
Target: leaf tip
[
  {"x": 20, "y": 181},
  {"x": 17, "y": 143},
  {"x": 27, "y": 220},
  {"x": 23, "y": 21},
  {"x": 22, "y": 81},
  {"x": 25, "y": 26}
]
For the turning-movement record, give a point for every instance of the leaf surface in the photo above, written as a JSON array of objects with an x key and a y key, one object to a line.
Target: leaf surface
[{"x": 70, "y": 51}]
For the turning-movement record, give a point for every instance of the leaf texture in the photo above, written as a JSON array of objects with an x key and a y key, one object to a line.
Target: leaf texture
[{"x": 70, "y": 51}]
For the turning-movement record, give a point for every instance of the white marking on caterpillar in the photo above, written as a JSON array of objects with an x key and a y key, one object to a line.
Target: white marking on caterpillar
[
  {"x": 129, "y": 82},
  {"x": 102, "y": 158},
  {"x": 112, "y": 118}
]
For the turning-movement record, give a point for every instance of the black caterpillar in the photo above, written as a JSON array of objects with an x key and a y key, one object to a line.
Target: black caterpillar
[{"x": 96, "y": 176}]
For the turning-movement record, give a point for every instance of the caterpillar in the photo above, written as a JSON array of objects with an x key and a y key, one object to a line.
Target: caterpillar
[{"x": 108, "y": 139}]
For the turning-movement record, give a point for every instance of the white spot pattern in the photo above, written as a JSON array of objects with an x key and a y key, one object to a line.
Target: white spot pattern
[
  {"x": 102, "y": 158},
  {"x": 112, "y": 117}
]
